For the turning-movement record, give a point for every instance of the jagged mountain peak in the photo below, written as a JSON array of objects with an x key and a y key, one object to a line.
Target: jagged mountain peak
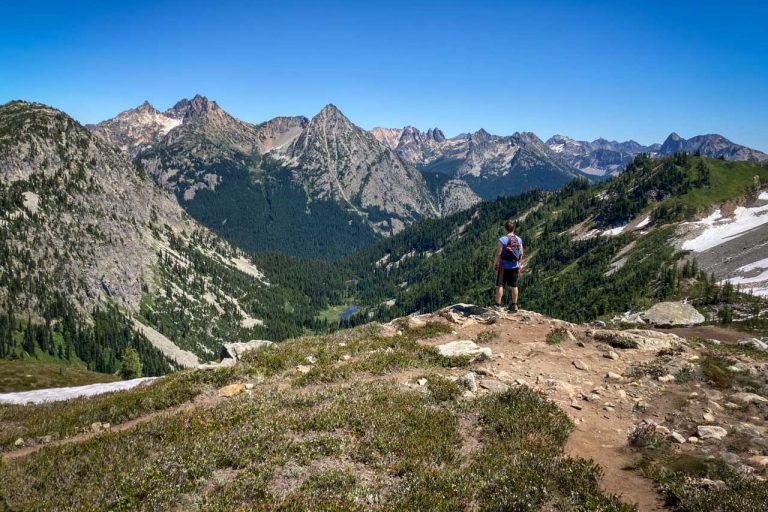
[
  {"x": 197, "y": 107},
  {"x": 674, "y": 137}
]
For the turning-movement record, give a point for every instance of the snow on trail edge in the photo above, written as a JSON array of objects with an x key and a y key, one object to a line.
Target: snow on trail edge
[{"x": 40, "y": 396}]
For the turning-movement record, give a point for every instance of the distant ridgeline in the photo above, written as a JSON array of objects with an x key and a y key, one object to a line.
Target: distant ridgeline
[{"x": 591, "y": 250}]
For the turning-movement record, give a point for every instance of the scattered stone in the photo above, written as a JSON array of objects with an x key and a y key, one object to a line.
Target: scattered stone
[
  {"x": 18, "y": 443},
  {"x": 621, "y": 394},
  {"x": 469, "y": 381},
  {"x": 569, "y": 336},
  {"x": 45, "y": 439},
  {"x": 96, "y": 427},
  {"x": 611, "y": 355},
  {"x": 422, "y": 382},
  {"x": 580, "y": 365},
  {"x": 666, "y": 378},
  {"x": 640, "y": 406},
  {"x": 494, "y": 386},
  {"x": 485, "y": 372},
  {"x": 237, "y": 349},
  {"x": 576, "y": 405},
  {"x": 711, "y": 432},
  {"x": 106, "y": 426},
  {"x": 755, "y": 344},
  {"x": 749, "y": 398},
  {"x": 709, "y": 417},
  {"x": 672, "y": 314},
  {"x": 310, "y": 359},
  {"x": 465, "y": 348},
  {"x": 613, "y": 376},
  {"x": 608, "y": 408},
  {"x": 693, "y": 439},
  {"x": 521, "y": 382},
  {"x": 346, "y": 357},
  {"x": 677, "y": 438},
  {"x": 249, "y": 386},
  {"x": 468, "y": 394},
  {"x": 231, "y": 390},
  {"x": 758, "y": 461},
  {"x": 303, "y": 368}
]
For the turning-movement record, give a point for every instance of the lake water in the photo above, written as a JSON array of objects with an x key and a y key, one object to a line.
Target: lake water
[{"x": 351, "y": 310}]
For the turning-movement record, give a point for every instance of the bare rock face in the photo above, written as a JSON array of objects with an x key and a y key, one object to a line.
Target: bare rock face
[
  {"x": 98, "y": 222},
  {"x": 491, "y": 165},
  {"x": 456, "y": 196},
  {"x": 136, "y": 128},
  {"x": 669, "y": 314},
  {"x": 343, "y": 162}
]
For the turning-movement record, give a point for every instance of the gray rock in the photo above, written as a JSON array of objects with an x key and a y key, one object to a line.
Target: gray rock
[
  {"x": 494, "y": 386},
  {"x": 668, "y": 314},
  {"x": 611, "y": 355},
  {"x": 18, "y": 443},
  {"x": 749, "y": 398},
  {"x": 465, "y": 348},
  {"x": 581, "y": 365},
  {"x": 755, "y": 344},
  {"x": 469, "y": 381},
  {"x": 677, "y": 438},
  {"x": 641, "y": 339},
  {"x": 236, "y": 349},
  {"x": 613, "y": 376},
  {"x": 711, "y": 432}
]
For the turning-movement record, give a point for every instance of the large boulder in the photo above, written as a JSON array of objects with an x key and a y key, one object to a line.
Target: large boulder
[
  {"x": 670, "y": 314},
  {"x": 235, "y": 350},
  {"x": 465, "y": 348},
  {"x": 641, "y": 339}
]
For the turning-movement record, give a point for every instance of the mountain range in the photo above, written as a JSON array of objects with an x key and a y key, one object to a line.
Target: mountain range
[{"x": 266, "y": 186}]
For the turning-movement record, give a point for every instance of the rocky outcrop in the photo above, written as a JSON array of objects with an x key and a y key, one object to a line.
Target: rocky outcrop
[
  {"x": 671, "y": 314},
  {"x": 640, "y": 339},
  {"x": 464, "y": 348},
  {"x": 237, "y": 349}
]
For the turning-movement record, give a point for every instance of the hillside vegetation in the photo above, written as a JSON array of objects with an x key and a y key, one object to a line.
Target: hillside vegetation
[{"x": 574, "y": 268}]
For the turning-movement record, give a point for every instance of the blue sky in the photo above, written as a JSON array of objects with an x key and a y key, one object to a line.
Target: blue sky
[{"x": 586, "y": 69}]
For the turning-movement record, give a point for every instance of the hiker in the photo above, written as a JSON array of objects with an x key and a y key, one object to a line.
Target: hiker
[{"x": 508, "y": 263}]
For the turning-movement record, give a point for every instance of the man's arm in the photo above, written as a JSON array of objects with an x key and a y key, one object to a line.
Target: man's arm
[{"x": 497, "y": 258}]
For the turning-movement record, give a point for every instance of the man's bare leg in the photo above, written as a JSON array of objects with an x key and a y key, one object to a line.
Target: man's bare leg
[
  {"x": 499, "y": 294},
  {"x": 514, "y": 295}
]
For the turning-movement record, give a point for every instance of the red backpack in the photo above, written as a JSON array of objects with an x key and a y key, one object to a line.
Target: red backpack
[{"x": 512, "y": 250}]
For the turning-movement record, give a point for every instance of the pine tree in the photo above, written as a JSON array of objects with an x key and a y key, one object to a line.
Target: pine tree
[{"x": 130, "y": 364}]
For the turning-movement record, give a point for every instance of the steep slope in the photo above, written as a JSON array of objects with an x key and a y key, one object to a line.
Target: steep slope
[
  {"x": 491, "y": 165},
  {"x": 340, "y": 161},
  {"x": 86, "y": 237}
]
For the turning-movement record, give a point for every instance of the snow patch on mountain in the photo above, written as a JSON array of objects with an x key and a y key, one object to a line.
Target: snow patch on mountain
[{"x": 717, "y": 229}]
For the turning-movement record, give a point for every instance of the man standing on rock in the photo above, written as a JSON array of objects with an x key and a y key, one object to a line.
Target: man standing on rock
[{"x": 508, "y": 263}]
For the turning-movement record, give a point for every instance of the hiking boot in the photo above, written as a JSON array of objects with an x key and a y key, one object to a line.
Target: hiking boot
[{"x": 513, "y": 308}]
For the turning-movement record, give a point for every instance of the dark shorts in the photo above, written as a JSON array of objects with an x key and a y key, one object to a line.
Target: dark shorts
[{"x": 507, "y": 277}]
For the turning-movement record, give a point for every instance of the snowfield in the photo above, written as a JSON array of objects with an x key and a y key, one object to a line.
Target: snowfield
[
  {"x": 758, "y": 284},
  {"x": 40, "y": 396},
  {"x": 718, "y": 229}
]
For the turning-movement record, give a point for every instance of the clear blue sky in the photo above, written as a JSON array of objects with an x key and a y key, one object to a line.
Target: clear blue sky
[{"x": 586, "y": 69}]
